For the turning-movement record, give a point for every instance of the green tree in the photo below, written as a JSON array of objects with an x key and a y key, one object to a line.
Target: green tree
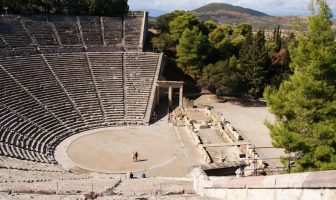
[
  {"x": 111, "y": 7},
  {"x": 73, "y": 7},
  {"x": 207, "y": 26},
  {"x": 223, "y": 78},
  {"x": 305, "y": 105},
  {"x": 89, "y": 6},
  {"x": 271, "y": 46},
  {"x": 277, "y": 38},
  {"x": 226, "y": 76},
  {"x": 162, "y": 42},
  {"x": 279, "y": 57},
  {"x": 254, "y": 63},
  {"x": 162, "y": 22},
  {"x": 242, "y": 29},
  {"x": 228, "y": 40},
  {"x": 162, "y": 39},
  {"x": 189, "y": 51},
  {"x": 275, "y": 44},
  {"x": 177, "y": 26},
  {"x": 221, "y": 39}
]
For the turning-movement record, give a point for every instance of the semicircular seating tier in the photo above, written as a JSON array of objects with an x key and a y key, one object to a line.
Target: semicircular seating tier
[
  {"x": 46, "y": 98},
  {"x": 25, "y": 35}
]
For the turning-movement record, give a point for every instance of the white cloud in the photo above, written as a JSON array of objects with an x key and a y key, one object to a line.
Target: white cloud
[{"x": 272, "y": 7}]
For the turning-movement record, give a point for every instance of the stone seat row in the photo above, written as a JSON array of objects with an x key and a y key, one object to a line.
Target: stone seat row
[
  {"x": 49, "y": 31},
  {"x": 47, "y": 98}
]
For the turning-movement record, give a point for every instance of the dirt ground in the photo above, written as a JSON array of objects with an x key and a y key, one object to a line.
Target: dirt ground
[
  {"x": 248, "y": 118},
  {"x": 163, "y": 151}
]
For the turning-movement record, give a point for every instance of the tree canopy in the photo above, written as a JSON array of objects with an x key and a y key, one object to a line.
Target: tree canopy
[
  {"x": 189, "y": 51},
  {"x": 305, "y": 105},
  {"x": 204, "y": 50},
  {"x": 72, "y": 7},
  {"x": 222, "y": 77},
  {"x": 181, "y": 23},
  {"x": 254, "y": 62}
]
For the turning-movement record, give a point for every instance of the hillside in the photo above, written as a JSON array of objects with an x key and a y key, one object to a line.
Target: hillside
[
  {"x": 224, "y": 7},
  {"x": 228, "y": 14}
]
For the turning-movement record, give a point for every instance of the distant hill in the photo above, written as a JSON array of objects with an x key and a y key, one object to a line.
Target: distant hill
[
  {"x": 223, "y": 13},
  {"x": 224, "y": 7}
]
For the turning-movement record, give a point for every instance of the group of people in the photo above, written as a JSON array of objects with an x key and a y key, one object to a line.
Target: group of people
[
  {"x": 240, "y": 172},
  {"x": 141, "y": 175},
  {"x": 135, "y": 159}
]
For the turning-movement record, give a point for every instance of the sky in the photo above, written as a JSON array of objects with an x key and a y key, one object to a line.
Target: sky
[{"x": 270, "y": 7}]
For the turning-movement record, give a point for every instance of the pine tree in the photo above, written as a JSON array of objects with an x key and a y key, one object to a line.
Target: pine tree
[
  {"x": 277, "y": 38},
  {"x": 305, "y": 105},
  {"x": 189, "y": 51},
  {"x": 245, "y": 57},
  {"x": 222, "y": 77},
  {"x": 177, "y": 26},
  {"x": 254, "y": 60}
]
